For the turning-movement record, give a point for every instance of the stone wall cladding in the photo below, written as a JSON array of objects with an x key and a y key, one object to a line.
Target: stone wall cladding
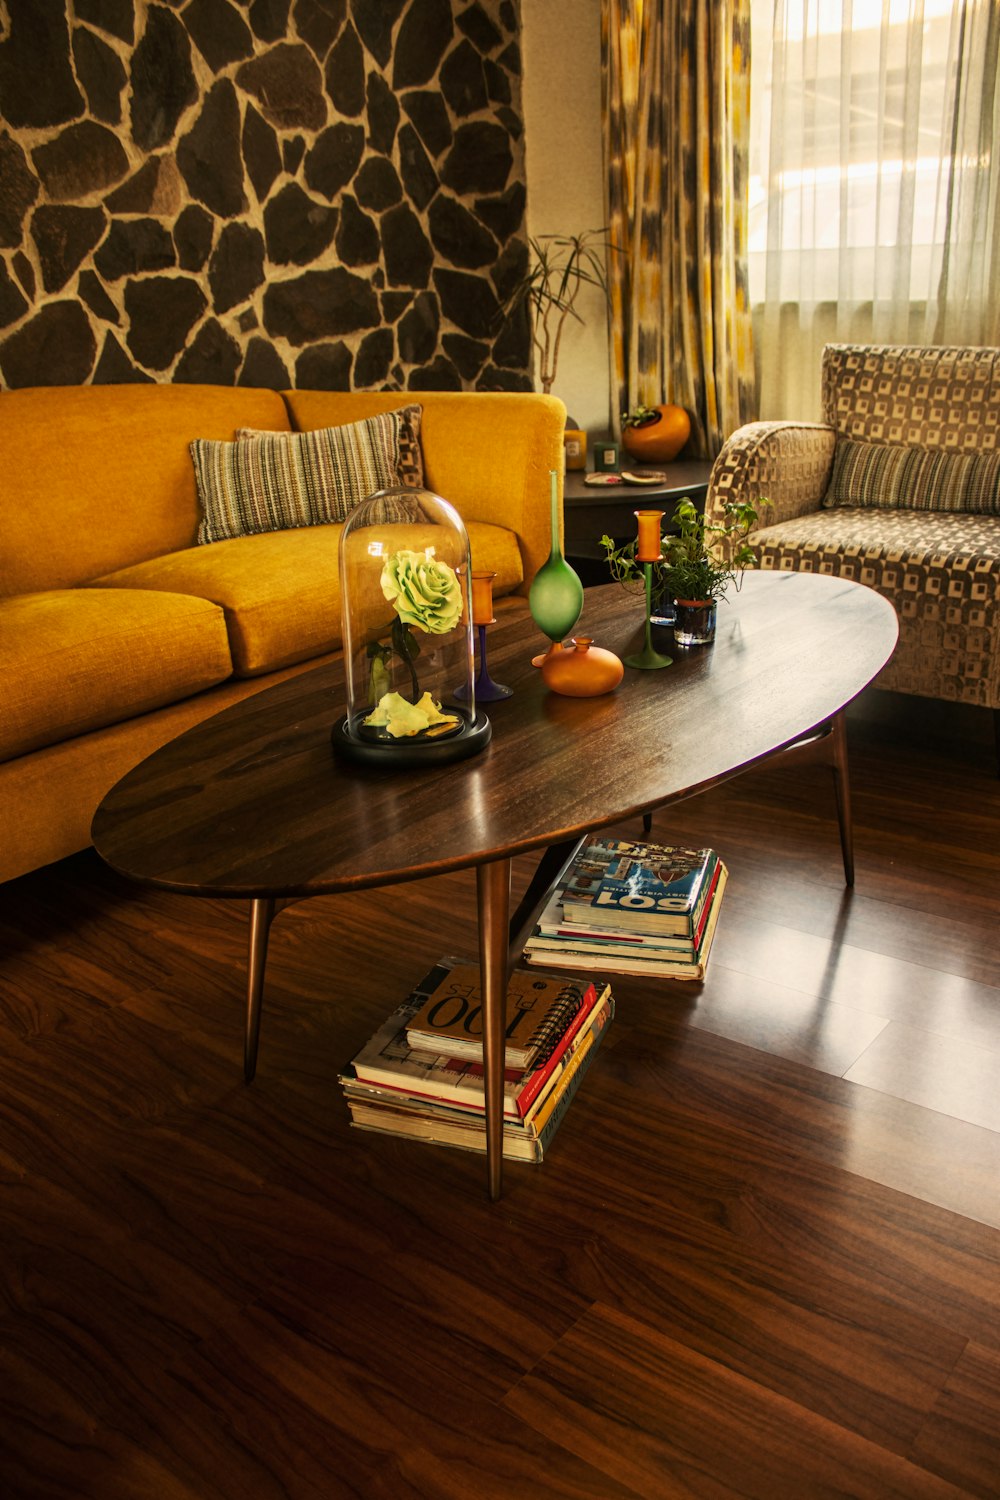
[{"x": 323, "y": 193}]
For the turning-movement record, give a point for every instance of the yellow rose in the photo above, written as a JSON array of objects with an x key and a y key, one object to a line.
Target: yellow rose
[{"x": 424, "y": 592}]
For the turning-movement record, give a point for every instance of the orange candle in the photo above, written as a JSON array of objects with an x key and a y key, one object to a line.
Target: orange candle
[
  {"x": 648, "y": 550},
  {"x": 482, "y": 598}
]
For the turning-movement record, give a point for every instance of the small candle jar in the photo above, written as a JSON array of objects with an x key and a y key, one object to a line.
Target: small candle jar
[
  {"x": 575, "y": 448},
  {"x": 648, "y": 548},
  {"x": 482, "y": 598}
]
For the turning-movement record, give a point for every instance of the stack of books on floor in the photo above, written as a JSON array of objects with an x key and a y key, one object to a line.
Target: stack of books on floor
[
  {"x": 625, "y": 908},
  {"x": 421, "y": 1074}
]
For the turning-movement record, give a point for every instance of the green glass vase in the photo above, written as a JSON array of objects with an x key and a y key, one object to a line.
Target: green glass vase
[{"x": 556, "y": 595}]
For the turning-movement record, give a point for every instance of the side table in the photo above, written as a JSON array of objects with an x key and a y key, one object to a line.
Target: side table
[{"x": 590, "y": 511}]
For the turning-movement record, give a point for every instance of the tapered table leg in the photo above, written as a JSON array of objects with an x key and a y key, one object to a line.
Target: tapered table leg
[
  {"x": 262, "y": 912},
  {"x": 493, "y": 898},
  {"x": 827, "y": 746},
  {"x": 842, "y": 785}
]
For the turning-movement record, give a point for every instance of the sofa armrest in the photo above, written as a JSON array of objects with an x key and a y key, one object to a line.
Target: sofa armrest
[{"x": 787, "y": 463}]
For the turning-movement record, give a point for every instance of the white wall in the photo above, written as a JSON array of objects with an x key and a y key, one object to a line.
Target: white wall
[{"x": 561, "y": 100}]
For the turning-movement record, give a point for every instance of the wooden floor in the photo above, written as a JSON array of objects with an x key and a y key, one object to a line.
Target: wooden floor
[{"x": 761, "y": 1259}]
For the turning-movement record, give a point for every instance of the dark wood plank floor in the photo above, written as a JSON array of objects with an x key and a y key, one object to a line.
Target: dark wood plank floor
[{"x": 761, "y": 1259}]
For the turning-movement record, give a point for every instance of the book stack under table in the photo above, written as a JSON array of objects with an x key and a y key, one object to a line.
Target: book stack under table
[
  {"x": 625, "y": 908},
  {"x": 421, "y": 1074}
]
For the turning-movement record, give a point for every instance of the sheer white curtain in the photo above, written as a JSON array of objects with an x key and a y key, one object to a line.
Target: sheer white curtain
[{"x": 875, "y": 159}]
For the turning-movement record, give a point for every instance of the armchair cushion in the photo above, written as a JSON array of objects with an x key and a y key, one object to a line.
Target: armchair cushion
[
  {"x": 888, "y": 476},
  {"x": 942, "y": 574},
  {"x": 916, "y": 396}
]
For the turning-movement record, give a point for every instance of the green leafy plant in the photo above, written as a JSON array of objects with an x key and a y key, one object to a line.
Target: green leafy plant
[
  {"x": 704, "y": 558},
  {"x": 560, "y": 267},
  {"x": 640, "y": 416},
  {"x": 699, "y": 562}
]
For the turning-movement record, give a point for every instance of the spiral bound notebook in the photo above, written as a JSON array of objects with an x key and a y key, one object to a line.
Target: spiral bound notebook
[{"x": 539, "y": 1008}]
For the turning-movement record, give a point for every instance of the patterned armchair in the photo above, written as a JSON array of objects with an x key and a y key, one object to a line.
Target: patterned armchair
[{"x": 899, "y": 489}]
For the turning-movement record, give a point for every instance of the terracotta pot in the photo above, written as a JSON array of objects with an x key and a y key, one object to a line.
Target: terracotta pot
[
  {"x": 584, "y": 673},
  {"x": 659, "y": 442}
]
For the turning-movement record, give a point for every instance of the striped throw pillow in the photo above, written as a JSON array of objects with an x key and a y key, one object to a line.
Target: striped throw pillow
[
  {"x": 275, "y": 481},
  {"x": 411, "y": 460},
  {"x": 883, "y": 476}
]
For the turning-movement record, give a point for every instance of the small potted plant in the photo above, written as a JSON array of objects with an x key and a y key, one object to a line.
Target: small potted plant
[
  {"x": 699, "y": 563},
  {"x": 655, "y": 434},
  {"x": 560, "y": 267}
]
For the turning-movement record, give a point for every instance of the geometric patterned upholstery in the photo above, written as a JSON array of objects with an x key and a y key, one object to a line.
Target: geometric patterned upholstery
[
  {"x": 922, "y": 397},
  {"x": 941, "y": 572},
  {"x": 940, "y": 569},
  {"x": 788, "y": 462}
]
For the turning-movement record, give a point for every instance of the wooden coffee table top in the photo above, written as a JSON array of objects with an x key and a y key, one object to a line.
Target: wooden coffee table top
[{"x": 251, "y": 803}]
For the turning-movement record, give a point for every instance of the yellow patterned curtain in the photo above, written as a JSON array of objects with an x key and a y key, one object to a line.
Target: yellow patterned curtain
[{"x": 676, "y": 132}]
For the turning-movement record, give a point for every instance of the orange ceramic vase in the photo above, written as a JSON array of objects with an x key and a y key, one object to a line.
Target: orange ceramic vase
[
  {"x": 584, "y": 673},
  {"x": 659, "y": 442}
]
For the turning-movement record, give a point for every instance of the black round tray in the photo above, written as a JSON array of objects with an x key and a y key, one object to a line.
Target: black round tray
[{"x": 412, "y": 754}]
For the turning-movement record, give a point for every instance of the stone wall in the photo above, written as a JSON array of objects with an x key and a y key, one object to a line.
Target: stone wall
[{"x": 318, "y": 193}]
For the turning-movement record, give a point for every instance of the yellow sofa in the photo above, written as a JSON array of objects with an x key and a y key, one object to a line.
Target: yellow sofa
[{"x": 118, "y": 632}]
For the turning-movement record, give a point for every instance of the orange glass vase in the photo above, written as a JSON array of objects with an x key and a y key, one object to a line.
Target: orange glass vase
[
  {"x": 658, "y": 442},
  {"x": 584, "y": 673}
]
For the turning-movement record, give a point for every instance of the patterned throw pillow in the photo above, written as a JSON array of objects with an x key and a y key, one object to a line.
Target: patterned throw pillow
[
  {"x": 274, "y": 481},
  {"x": 883, "y": 476},
  {"x": 411, "y": 459}
]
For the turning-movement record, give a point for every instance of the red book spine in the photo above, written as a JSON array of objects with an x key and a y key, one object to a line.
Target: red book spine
[
  {"x": 542, "y": 1074},
  {"x": 707, "y": 907}
]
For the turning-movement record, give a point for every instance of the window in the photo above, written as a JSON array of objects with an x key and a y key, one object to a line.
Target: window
[{"x": 872, "y": 197}]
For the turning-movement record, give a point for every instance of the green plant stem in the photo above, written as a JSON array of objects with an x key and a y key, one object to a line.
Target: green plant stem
[{"x": 401, "y": 647}]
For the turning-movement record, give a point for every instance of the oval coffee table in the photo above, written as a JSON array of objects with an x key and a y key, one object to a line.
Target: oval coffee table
[{"x": 251, "y": 804}]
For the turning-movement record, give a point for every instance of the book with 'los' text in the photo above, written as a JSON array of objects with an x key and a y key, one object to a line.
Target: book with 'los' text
[{"x": 639, "y": 888}]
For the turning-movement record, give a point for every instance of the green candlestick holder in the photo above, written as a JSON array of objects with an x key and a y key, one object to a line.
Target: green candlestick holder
[{"x": 648, "y": 660}]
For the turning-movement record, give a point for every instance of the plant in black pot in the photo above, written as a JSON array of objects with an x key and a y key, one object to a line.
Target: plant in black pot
[{"x": 699, "y": 563}]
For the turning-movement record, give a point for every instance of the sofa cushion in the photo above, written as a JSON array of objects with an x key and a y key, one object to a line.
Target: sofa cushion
[
  {"x": 281, "y": 591},
  {"x": 97, "y": 477},
  {"x": 276, "y": 481},
  {"x": 80, "y": 659},
  {"x": 888, "y": 476},
  {"x": 950, "y": 550}
]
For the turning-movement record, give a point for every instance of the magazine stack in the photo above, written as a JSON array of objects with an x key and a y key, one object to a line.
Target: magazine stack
[
  {"x": 626, "y": 908},
  {"x": 421, "y": 1074}
]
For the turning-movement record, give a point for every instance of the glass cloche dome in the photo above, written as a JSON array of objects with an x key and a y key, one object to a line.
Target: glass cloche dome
[{"x": 407, "y": 633}]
